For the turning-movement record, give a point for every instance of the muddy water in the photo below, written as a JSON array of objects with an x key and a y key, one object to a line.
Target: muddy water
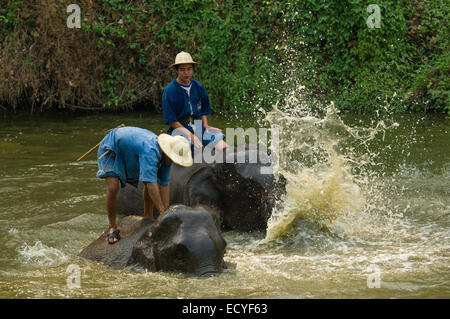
[{"x": 366, "y": 214}]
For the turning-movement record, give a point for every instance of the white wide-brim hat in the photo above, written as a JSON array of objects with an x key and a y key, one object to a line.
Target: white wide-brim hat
[
  {"x": 177, "y": 148},
  {"x": 183, "y": 58}
]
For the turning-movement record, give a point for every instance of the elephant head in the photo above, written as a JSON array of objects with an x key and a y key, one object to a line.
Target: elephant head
[
  {"x": 188, "y": 240},
  {"x": 183, "y": 239},
  {"x": 249, "y": 188}
]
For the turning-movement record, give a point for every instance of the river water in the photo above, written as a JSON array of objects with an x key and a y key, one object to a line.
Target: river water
[{"x": 366, "y": 214}]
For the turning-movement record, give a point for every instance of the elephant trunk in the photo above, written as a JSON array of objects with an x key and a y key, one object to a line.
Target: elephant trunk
[{"x": 208, "y": 271}]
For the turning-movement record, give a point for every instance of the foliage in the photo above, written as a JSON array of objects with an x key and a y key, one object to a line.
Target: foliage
[
  {"x": 249, "y": 53},
  {"x": 362, "y": 68}
]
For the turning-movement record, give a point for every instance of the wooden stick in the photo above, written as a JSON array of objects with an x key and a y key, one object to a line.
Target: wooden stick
[
  {"x": 94, "y": 147},
  {"x": 104, "y": 154}
]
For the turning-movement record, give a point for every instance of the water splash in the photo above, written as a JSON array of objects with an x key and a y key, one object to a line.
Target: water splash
[
  {"x": 326, "y": 164},
  {"x": 41, "y": 255},
  {"x": 322, "y": 194}
]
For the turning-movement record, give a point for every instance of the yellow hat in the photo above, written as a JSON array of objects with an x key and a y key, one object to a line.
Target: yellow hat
[
  {"x": 183, "y": 58},
  {"x": 177, "y": 148}
]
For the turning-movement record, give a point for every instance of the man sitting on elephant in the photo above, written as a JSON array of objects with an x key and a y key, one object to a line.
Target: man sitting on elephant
[
  {"x": 132, "y": 154},
  {"x": 186, "y": 105}
]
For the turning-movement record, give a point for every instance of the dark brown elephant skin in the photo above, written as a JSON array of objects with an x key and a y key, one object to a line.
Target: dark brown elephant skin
[{"x": 236, "y": 189}]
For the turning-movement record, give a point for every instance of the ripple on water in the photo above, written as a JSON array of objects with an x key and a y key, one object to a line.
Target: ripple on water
[{"x": 41, "y": 255}]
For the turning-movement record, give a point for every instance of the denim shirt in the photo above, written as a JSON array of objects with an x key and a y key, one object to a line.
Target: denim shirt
[
  {"x": 177, "y": 104},
  {"x": 137, "y": 157}
]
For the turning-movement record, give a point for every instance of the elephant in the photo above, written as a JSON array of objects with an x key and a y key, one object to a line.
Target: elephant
[
  {"x": 184, "y": 239},
  {"x": 235, "y": 186}
]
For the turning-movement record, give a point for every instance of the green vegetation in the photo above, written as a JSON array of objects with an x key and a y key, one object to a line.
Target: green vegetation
[{"x": 249, "y": 52}]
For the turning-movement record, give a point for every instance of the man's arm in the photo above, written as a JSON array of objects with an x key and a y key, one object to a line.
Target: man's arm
[
  {"x": 155, "y": 195},
  {"x": 178, "y": 126},
  {"x": 205, "y": 121},
  {"x": 165, "y": 195},
  {"x": 207, "y": 127}
]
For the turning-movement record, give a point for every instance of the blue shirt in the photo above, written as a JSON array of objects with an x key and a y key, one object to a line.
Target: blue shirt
[
  {"x": 177, "y": 104},
  {"x": 138, "y": 157}
]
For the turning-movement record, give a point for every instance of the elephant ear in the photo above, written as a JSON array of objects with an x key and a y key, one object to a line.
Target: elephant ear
[
  {"x": 165, "y": 228},
  {"x": 165, "y": 236},
  {"x": 203, "y": 188},
  {"x": 251, "y": 162},
  {"x": 210, "y": 211}
]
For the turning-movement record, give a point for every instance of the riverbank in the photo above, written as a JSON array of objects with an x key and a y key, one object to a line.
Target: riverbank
[{"x": 394, "y": 56}]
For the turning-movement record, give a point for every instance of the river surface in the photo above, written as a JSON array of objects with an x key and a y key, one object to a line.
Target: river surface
[{"x": 366, "y": 214}]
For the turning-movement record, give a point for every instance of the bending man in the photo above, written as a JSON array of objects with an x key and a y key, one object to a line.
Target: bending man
[{"x": 132, "y": 154}]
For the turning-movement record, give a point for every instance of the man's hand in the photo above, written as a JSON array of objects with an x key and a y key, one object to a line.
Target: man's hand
[
  {"x": 181, "y": 129},
  {"x": 209, "y": 128},
  {"x": 213, "y": 129},
  {"x": 196, "y": 141}
]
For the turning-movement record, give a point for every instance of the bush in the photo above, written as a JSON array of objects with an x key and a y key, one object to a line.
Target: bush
[{"x": 248, "y": 51}]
